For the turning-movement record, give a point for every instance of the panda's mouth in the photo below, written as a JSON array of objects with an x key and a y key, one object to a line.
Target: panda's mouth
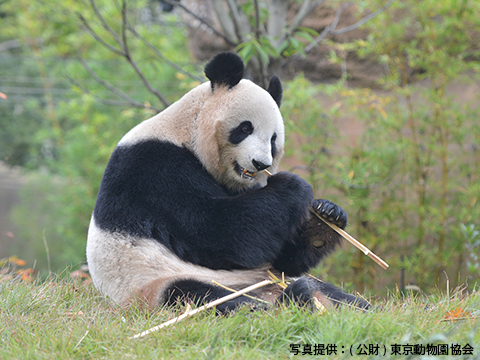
[{"x": 244, "y": 173}]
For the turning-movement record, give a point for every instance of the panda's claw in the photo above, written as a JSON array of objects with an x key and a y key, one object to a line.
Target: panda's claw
[{"x": 331, "y": 212}]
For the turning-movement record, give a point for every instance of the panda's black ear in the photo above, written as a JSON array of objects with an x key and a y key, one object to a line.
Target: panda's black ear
[
  {"x": 275, "y": 89},
  {"x": 225, "y": 69}
]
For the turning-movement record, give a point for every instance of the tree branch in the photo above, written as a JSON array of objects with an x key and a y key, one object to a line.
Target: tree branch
[
  {"x": 108, "y": 101},
  {"x": 237, "y": 21},
  {"x": 329, "y": 28},
  {"x": 258, "y": 33},
  {"x": 303, "y": 12},
  {"x": 104, "y": 23},
  {"x": 161, "y": 56},
  {"x": 203, "y": 21},
  {"x": 98, "y": 38},
  {"x": 124, "y": 28},
  {"x": 277, "y": 18},
  {"x": 224, "y": 19},
  {"x": 107, "y": 85},
  {"x": 362, "y": 21},
  {"x": 129, "y": 58},
  {"x": 322, "y": 35},
  {"x": 125, "y": 52}
]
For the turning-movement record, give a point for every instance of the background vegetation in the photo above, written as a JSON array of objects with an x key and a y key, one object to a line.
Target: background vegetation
[{"x": 409, "y": 181}]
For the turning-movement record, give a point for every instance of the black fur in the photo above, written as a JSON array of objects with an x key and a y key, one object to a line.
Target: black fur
[
  {"x": 300, "y": 292},
  {"x": 241, "y": 132},
  {"x": 315, "y": 240},
  {"x": 154, "y": 189},
  {"x": 303, "y": 290},
  {"x": 157, "y": 190},
  {"x": 225, "y": 69},
  {"x": 297, "y": 292},
  {"x": 276, "y": 90},
  {"x": 199, "y": 293},
  {"x": 336, "y": 295},
  {"x": 273, "y": 145}
]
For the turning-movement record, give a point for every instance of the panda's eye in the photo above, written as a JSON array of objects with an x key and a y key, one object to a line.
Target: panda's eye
[
  {"x": 240, "y": 132},
  {"x": 247, "y": 128},
  {"x": 273, "y": 145}
]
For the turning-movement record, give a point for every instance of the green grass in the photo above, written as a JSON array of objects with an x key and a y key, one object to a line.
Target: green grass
[{"x": 65, "y": 319}]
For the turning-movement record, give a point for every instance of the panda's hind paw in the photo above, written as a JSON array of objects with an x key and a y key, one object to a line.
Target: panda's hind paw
[{"x": 331, "y": 212}]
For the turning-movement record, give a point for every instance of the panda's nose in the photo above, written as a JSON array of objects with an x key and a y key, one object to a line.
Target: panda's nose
[{"x": 259, "y": 165}]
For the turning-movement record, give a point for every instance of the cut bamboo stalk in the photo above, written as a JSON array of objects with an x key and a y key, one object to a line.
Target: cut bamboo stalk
[
  {"x": 233, "y": 291},
  {"x": 211, "y": 304},
  {"x": 349, "y": 238},
  {"x": 276, "y": 280},
  {"x": 355, "y": 242}
]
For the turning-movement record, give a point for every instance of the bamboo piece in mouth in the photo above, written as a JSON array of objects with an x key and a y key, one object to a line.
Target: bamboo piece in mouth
[{"x": 349, "y": 238}]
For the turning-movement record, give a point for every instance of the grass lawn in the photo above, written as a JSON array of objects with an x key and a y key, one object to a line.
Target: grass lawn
[{"x": 68, "y": 319}]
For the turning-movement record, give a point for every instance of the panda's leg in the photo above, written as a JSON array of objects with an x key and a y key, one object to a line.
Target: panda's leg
[
  {"x": 198, "y": 292},
  {"x": 303, "y": 291}
]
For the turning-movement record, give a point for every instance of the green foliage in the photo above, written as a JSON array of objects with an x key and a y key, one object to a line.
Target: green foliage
[
  {"x": 37, "y": 217},
  {"x": 264, "y": 48},
  {"x": 405, "y": 179},
  {"x": 58, "y": 207},
  {"x": 309, "y": 129},
  {"x": 435, "y": 40},
  {"x": 261, "y": 48},
  {"x": 295, "y": 43},
  {"x": 68, "y": 143},
  {"x": 472, "y": 246},
  {"x": 17, "y": 145}
]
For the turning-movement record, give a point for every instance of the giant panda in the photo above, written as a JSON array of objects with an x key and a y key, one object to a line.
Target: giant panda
[{"x": 185, "y": 200}]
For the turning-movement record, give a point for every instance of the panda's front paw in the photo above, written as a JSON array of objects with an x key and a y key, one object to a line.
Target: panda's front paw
[{"x": 331, "y": 212}]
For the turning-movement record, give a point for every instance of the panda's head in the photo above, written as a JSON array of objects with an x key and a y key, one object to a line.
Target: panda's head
[{"x": 240, "y": 131}]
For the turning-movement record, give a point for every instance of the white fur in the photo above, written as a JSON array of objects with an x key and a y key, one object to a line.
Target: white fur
[
  {"x": 121, "y": 266},
  {"x": 201, "y": 121}
]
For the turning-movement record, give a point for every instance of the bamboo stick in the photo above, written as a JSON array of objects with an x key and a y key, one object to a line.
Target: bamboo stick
[
  {"x": 276, "y": 280},
  {"x": 349, "y": 238},
  {"x": 211, "y": 304},
  {"x": 233, "y": 291},
  {"x": 355, "y": 242}
]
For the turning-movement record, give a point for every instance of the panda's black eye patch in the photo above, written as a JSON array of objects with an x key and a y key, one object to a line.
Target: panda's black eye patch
[
  {"x": 240, "y": 132},
  {"x": 273, "y": 145}
]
